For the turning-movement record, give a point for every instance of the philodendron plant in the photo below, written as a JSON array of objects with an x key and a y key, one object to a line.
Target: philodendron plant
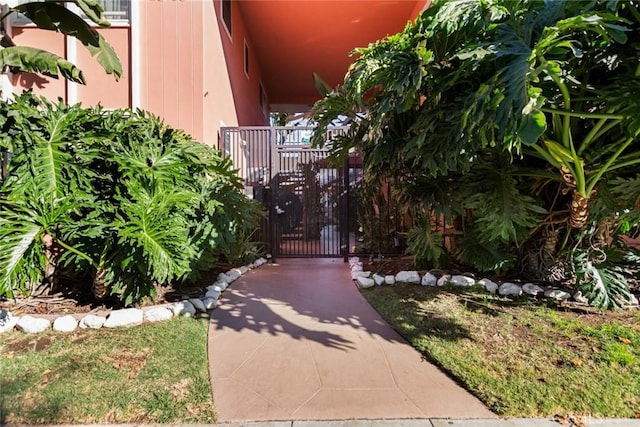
[
  {"x": 515, "y": 121},
  {"x": 116, "y": 197}
]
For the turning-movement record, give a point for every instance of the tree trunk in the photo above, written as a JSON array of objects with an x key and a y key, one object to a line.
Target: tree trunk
[
  {"x": 568, "y": 180},
  {"x": 99, "y": 286},
  {"x": 579, "y": 207},
  {"x": 579, "y": 210}
]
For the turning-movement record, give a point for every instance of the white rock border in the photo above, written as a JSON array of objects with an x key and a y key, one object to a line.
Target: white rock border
[
  {"x": 129, "y": 317},
  {"x": 438, "y": 278}
]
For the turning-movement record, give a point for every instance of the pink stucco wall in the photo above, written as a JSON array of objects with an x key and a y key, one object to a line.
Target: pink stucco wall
[
  {"x": 245, "y": 88},
  {"x": 42, "y": 85},
  {"x": 171, "y": 71},
  {"x": 102, "y": 88},
  {"x": 183, "y": 76},
  {"x": 218, "y": 105},
  {"x": 192, "y": 72}
]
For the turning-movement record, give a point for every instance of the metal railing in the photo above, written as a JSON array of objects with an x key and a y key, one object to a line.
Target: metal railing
[
  {"x": 297, "y": 185},
  {"x": 253, "y": 149},
  {"x": 315, "y": 207}
]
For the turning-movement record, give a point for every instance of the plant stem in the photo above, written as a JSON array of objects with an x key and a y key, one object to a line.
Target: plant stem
[
  {"x": 566, "y": 239},
  {"x": 566, "y": 119},
  {"x": 543, "y": 154},
  {"x": 77, "y": 252},
  {"x": 582, "y": 115},
  {"x": 593, "y": 181},
  {"x": 598, "y": 134},
  {"x": 625, "y": 164},
  {"x": 567, "y": 139}
]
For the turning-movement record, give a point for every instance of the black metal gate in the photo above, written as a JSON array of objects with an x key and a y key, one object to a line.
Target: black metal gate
[{"x": 306, "y": 197}]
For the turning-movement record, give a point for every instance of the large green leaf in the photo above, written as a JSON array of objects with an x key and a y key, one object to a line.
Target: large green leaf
[
  {"x": 322, "y": 87},
  {"x": 33, "y": 60},
  {"x": 501, "y": 211},
  {"x": 604, "y": 287},
  {"x": 23, "y": 225},
  {"x": 154, "y": 238},
  {"x": 94, "y": 11},
  {"x": 532, "y": 127},
  {"x": 56, "y": 17},
  {"x": 53, "y": 16},
  {"x": 52, "y": 162},
  {"x": 493, "y": 258},
  {"x": 106, "y": 56},
  {"x": 17, "y": 253},
  {"x": 425, "y": 243},
  {"x": 51, "y": 150}
]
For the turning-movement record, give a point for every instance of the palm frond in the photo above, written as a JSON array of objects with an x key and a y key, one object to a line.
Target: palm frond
[{"x": 53, "y": 16}]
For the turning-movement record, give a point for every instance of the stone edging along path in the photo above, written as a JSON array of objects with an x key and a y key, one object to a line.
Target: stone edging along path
[
  {"x": 365, "y": 279},
  {"x": 129, "y": 316}
]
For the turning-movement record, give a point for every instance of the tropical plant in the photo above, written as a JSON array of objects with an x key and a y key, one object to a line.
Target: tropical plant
[
  {"x": 492, "y": 113},
  {"x": 115, "y": 196},
  {"x": 55, "y": 16}
]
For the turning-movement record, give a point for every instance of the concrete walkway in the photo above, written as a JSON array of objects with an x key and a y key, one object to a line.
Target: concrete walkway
[{"x": 297, "y": 341}]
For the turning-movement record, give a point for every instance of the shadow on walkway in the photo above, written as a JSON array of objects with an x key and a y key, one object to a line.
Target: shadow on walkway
[{"x": 298, "y": 341}]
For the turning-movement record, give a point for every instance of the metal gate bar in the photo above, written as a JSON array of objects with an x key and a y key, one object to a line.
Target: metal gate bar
[
  {"x": 306, "y": 198},
  {"x": 308, "y": 203}
]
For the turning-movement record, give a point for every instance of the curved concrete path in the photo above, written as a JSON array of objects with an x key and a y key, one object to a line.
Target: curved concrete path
[{"x": 297, "y": 341}]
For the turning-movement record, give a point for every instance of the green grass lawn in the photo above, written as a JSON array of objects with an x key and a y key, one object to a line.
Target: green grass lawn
[
  {"x": 522, "y": 359},
  {"x": 148, "y": 374}
]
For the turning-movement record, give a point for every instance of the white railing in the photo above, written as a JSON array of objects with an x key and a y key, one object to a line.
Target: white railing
[{"x": 254, "y": 149}]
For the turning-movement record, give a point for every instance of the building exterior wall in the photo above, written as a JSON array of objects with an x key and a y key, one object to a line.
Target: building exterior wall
[
  {"x": 171, "y": 71},
  {"x": 102, "y": 88},
  {"x": 420, "y": 8},
  {"x": 182, "y": 73},
  {"x": 179, "y": 62},
  {"x": 245, "y": 88},
  {"x": 219, "y": 108},
  {"x": 38, "y": 83}
]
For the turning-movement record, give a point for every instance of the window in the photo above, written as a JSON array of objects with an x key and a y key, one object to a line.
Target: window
[
  {"x": 246, "y": 58},
  {"x": 18, "y": 18},
  {"x": 116, "y": 10},
  {"x": 226, "y": 15}
]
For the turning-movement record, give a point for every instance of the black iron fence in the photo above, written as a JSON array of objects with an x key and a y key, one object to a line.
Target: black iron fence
[{"x": 315, "y": 208}]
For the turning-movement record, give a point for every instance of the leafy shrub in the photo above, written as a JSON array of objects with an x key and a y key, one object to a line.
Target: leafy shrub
[
  {"x": 515, "y": 121},
  {"x": 113, "y": 195}
]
